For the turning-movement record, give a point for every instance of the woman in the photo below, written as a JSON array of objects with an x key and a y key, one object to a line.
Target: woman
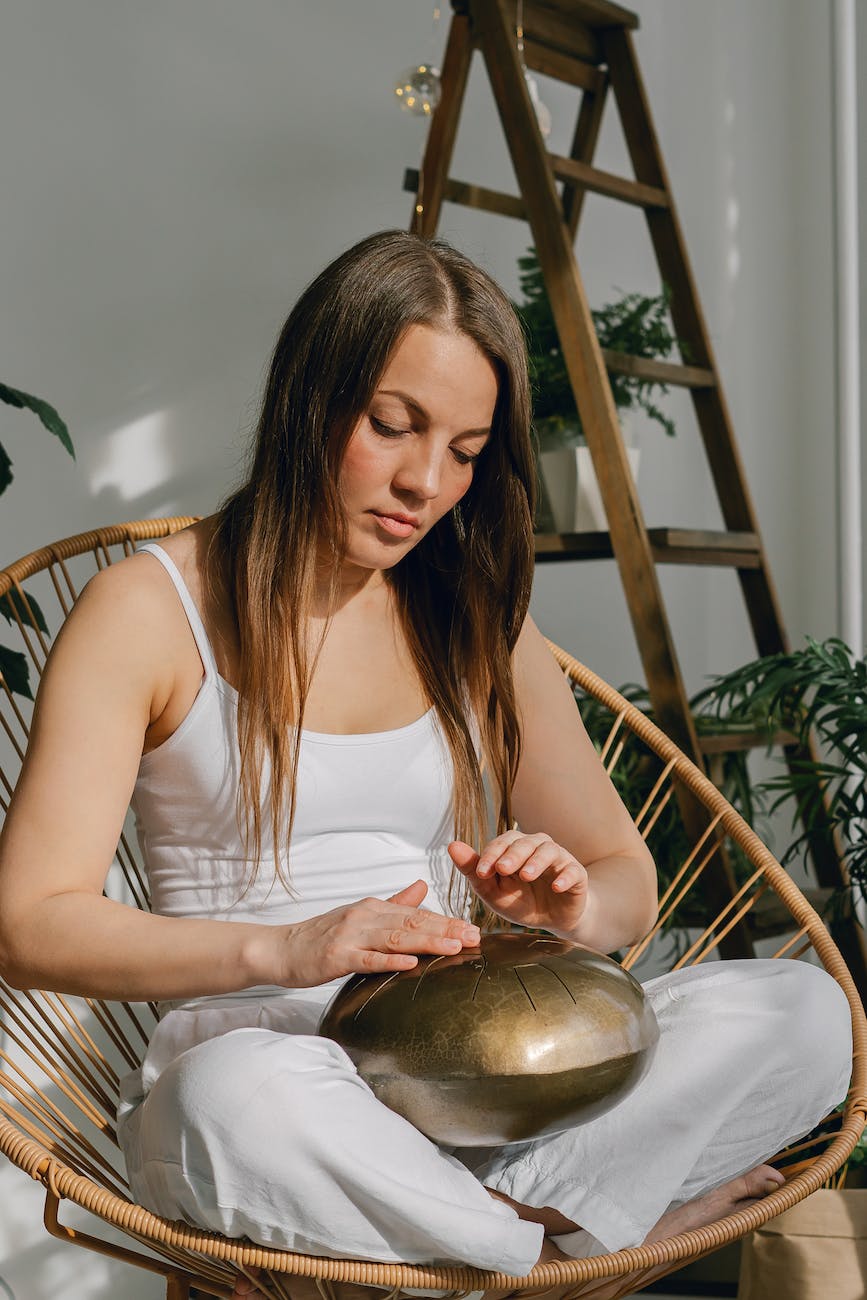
[{"x": 299, "y": 694}]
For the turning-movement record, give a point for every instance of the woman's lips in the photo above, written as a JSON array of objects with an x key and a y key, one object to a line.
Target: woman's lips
[{"x": 396, "y": 525}]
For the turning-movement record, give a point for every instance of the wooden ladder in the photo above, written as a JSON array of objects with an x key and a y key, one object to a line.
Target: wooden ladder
[{"x": 588, "y": 44}]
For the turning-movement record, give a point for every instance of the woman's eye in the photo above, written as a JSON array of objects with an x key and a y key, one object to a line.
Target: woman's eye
[
  {"x": 387, "y": 430},
  {"x": 464, "y": 457}
]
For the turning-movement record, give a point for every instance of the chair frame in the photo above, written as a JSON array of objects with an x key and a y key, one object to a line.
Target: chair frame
[{"x": 33, "y": 1133}]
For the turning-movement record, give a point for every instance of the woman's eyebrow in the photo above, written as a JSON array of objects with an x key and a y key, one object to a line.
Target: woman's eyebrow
[{"x": 420, "y": 410}]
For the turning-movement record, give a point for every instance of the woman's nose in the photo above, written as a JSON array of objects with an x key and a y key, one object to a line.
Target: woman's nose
[{"x": 420, "y": 471}]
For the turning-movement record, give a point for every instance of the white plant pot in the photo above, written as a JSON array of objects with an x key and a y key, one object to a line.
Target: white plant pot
[{"x": 573, "y": 490}]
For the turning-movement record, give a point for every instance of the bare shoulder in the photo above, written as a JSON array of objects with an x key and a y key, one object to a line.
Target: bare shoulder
[
  {"x": 531, "y": 642},
  {"x": 135, "y": 599},
  {"x": 127, "y": 626},
  {"x": 128, "y": 599},
  {"x": 535, "y": 666},
  {"x": 188, "y": 551}
]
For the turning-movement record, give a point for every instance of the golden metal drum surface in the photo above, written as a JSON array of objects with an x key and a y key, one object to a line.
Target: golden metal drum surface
[{"x": 523, "y": 1036}]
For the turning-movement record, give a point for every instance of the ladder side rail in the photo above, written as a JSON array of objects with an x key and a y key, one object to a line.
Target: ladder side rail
[
  {"x": 440, "y": 142},
  {"x": 586, "y": 367},
  {"x": 759, "y": 591},
  {"x": 536, "y": 177},
  {"x": 593, "y": 397},
  {"x": 583, "y": 148},
  {"x": 710, "y": 406},
  {"x": 673, "y": 259}
]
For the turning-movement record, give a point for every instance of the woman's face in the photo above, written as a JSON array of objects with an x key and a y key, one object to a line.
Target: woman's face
[{"x": 410, "y": 457}]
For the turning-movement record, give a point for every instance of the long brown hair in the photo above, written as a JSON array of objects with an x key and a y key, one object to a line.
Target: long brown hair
[{"x": 462, "y": 592}]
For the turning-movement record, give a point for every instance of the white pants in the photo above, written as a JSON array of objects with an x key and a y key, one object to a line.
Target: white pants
[{"x": 275, "y": 1137}]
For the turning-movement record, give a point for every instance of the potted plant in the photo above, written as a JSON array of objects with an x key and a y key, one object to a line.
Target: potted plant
[
  {"x": 632, "y": 323},
  {"x": 13, "y": 664},
  {"x": 819, "y": 691}
]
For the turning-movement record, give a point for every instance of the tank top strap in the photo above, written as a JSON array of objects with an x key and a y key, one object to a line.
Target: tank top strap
[{"x": 194, "y": 618}]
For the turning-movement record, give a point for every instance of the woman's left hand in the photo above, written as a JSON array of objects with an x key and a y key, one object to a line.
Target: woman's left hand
[{"x": 528, "y": 880}]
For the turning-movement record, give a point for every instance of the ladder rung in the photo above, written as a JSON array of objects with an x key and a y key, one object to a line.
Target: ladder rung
[
  {"x": 483, "y": 199},
  {"x": 702, "y": 546},
  {"x": 599, "y": 182},
  {"x": 472, "y": 196},
  {"x": 595, "y": 13},
  {"x": 663, "y": 372},
  {"x": 660, "y": 372},
  {"x": 668, "y": 546},
  {"x": 733, "y": 742},
  {"x": 575, "y": 72},
  {"x": 563, "y": 32},
  {"x": 573, "y": 546},
  {"x": 509, "y": 205}
]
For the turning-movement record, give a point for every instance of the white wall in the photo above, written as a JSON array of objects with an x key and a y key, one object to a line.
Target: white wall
[
  {"x": 173, "y": 173},
  {"x": 746, "y": 137}
]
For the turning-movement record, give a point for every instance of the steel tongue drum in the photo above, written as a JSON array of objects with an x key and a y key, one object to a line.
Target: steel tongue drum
[{"x": 519, "y": 1037}]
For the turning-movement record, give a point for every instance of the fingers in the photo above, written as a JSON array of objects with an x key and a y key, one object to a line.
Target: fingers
[
  {"x": 508, "y": 853},
  {"x": 407, "y": 926},
  {"x": 525, "y": 857},
  {"x": 386, "y": 936},
  {"x": 463, "y": 855},
  {"x": 418, "y": 932},
  {"x": 411, "y": 895}
]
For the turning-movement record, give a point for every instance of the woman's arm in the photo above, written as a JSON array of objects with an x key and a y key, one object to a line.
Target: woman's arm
[
  {"x": 578, "y": 866},
  {"x": 109, "y": 678}
]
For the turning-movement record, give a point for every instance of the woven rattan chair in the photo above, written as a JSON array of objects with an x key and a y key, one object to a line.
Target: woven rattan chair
[{"x": 61, "y": 1058}]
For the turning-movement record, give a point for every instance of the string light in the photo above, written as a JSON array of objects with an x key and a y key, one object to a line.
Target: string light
[
  {"x": 418, "y": 88},
  {"x": 418, "y": 92}
]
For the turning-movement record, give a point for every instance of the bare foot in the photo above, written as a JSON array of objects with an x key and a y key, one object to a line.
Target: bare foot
[{"x": 736, "y": 1195}]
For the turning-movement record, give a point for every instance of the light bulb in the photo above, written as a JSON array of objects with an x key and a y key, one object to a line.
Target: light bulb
[
  {"x": 542, "y": 111},
  {"x": 418, "y": 89}
]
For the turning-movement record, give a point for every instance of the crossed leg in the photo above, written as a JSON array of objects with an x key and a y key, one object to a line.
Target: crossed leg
[
  {"x": 732, "y": 1196},
  {"x": 752, "y": 1054}
]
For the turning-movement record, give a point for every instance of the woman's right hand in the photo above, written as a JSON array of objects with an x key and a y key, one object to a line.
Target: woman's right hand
[{"x": 369, "y": 937}]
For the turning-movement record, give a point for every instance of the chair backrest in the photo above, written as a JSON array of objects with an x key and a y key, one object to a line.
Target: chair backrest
[{"x": 62, "y": 1058}]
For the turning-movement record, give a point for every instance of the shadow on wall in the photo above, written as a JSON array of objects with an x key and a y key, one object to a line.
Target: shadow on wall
[
  {"x": 164, "y": 455},
  {"x": 146, "y": 469}
]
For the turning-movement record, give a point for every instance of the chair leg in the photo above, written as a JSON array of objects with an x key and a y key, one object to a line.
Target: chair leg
[{"x": 177, "y": 1287}]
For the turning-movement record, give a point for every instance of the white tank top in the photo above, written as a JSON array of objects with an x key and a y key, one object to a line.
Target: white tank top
[{"x": 373, "y": 813}]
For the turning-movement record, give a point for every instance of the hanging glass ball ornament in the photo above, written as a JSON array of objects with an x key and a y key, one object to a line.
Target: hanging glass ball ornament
[
  {"x": 542, "y": 111},
  {"x": 418, "y": 89}
]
